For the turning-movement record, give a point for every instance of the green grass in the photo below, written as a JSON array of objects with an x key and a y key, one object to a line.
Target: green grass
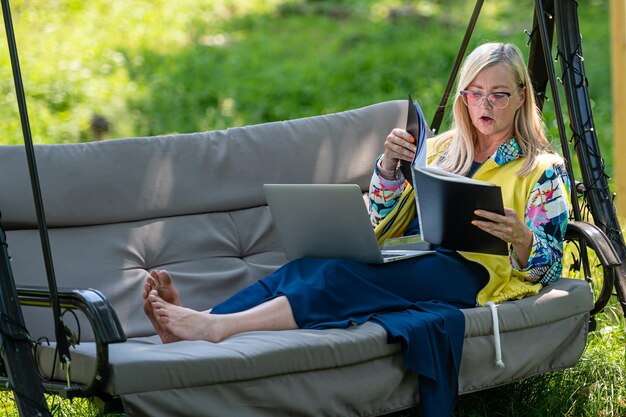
[
  {"x": 152, "y": 67},
  {"x": 58, "y": 407}
]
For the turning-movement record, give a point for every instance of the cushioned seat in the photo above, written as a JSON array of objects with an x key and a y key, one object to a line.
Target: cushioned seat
[
  {"x": 193, "y": 204},
  {"x": 560, "y": 311}
]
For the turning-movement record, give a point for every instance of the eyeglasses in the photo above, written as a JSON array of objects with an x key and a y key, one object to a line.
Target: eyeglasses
[{"x": 495, "y": 100}]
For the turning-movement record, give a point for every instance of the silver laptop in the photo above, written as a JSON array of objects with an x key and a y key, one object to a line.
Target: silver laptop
[{"x": 327, "y": 221}]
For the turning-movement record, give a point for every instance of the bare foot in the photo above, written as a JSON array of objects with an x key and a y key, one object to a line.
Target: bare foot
[
  {"x": 161, "y": 282},
  {"x": 184, "y": 323}
]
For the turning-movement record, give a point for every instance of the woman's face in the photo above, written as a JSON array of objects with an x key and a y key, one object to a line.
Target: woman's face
[{"x": 490, "y": 122}]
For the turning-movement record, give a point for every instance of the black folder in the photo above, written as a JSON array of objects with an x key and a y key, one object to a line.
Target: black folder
[
  {"x": 416, "y": 125},
  {"x": 446, "y": 204}
]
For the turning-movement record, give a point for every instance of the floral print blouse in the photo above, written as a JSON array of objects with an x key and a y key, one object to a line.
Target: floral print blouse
[{"x": 547, "y": 212}]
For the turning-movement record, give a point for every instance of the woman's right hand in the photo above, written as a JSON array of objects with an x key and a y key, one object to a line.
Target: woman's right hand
[{"x": 399, "y": 145}]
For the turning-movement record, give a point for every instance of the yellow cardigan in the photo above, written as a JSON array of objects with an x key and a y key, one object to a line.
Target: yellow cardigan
[{"x": 505, "y": 282}]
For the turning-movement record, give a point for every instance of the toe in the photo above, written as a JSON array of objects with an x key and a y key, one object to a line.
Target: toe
[
  {"x": 158, "y": 308},
  {"x": 164, "y": 278},
  {"x": 146, "y": 290},
  {"x": 154, "y": 278}
]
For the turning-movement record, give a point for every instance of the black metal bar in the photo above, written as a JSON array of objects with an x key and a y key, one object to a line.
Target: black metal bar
[
  {"x": 585, "y": 136},
  {"x": 536, "y": 59},
  {"x": 441, "y": 109},
  {"x": 16, "y": 348},
  {"x": 546, "y": 46},
  {"x": 545, "y": 38},
  {"x": 61, "y": 337}
]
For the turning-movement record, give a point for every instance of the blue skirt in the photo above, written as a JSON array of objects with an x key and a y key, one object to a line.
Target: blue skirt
[{"x": 416, "y": 300}]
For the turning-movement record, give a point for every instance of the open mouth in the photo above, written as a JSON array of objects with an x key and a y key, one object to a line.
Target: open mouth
[{"x": 486, "y": 119}]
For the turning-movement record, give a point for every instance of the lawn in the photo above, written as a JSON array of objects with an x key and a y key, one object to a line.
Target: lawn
[{"x": 101, "y": 70}]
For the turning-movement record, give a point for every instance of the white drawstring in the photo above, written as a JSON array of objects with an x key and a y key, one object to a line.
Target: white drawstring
[{"x": 496, "y": 332}]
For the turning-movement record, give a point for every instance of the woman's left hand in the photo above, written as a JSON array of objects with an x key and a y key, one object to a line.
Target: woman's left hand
[{"x": 509, "y": 228}]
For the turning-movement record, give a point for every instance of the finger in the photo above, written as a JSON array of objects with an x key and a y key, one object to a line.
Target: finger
[
  {"x": 510, "y": 212},
  {"x": 504, "y": 232},
  {"x": 401, "y": 138},
  {"x": 505, "y": 226},
  {"x": 398, "y": 148},
  {"x": 403, "y": 134},
  {"x": 510, "y": 219},
  {"x": 486, "y": 225},
  {"x": 403, "y": 153},
  {"x": 489, "y": 215}
]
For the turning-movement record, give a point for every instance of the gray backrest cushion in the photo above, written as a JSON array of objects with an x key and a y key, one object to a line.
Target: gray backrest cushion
[
  {"x": 192, "y": 204},
  {"x": 134, "y": 179}
]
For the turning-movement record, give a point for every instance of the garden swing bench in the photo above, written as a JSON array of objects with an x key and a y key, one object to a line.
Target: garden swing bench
[{"x": 116, "y": 209}]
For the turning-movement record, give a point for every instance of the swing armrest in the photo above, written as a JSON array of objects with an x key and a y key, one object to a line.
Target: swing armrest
[
  {"x": 106, "y": 327},
  {"x": 595, "y": 238},
  {"x": 105, "y": 323}
]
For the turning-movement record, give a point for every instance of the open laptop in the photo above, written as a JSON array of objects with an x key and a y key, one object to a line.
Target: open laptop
[{"x": 327, "y": 221}]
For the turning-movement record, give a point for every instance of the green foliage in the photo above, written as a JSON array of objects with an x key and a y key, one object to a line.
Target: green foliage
[{"x": 154, "y": 67}]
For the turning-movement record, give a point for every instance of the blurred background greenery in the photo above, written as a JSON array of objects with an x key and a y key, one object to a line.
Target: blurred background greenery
[{"x": 98, "y": 70}]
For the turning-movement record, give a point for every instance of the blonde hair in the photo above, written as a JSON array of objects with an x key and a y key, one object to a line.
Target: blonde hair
[{"x": 457, "y": 144}]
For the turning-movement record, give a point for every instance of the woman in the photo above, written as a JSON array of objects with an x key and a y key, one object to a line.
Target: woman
[{"x": 497, "y": 136}]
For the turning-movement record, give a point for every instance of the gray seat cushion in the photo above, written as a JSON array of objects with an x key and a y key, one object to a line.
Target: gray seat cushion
[{"x": 559, "y": 314}]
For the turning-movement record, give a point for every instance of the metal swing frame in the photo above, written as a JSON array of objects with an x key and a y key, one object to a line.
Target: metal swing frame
[
  {"x": 18, "y": 370},
  {"x": 605, "y": 236}
]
